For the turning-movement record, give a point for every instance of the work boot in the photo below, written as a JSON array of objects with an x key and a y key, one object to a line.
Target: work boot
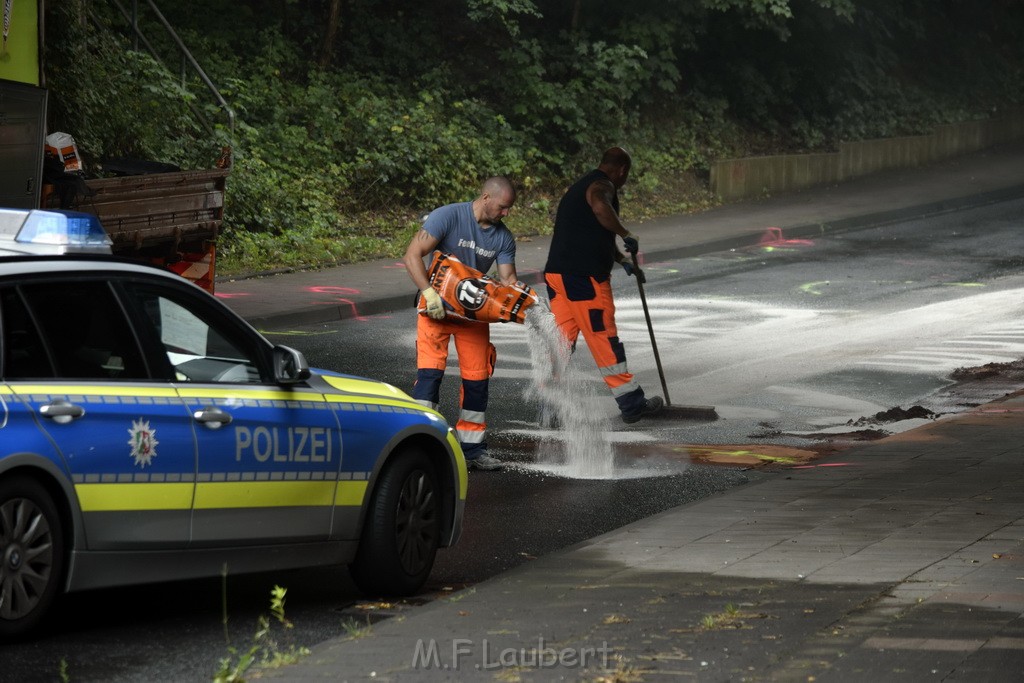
[
  {"x": 484, "y": 462},
  {"x": 652, "y": 406}
]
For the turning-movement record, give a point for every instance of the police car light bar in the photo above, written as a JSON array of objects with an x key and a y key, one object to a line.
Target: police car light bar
[
  {"x": 52, "y": 231},
  {"x": 64, "y": 227}
]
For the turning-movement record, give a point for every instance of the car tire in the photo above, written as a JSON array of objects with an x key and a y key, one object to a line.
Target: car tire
[
  {"x": 31, "y": 553},
  {"x": 402, "y": 531}
]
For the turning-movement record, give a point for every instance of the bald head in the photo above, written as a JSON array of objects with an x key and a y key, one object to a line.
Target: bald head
[
  {"x": 496, "y": 185},
  {"x": 616, "y": 163},
  {"x": 616, "y": 156},
  {"x": 497, "y": 195}
]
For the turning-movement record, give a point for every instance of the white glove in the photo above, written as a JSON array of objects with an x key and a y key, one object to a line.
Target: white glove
[{"x": 435, "y": 308}]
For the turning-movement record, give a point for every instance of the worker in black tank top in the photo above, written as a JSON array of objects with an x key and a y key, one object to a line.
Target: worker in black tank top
[
  {"x": 581, "y": 245},
  {"x": 578, "y": 276}
]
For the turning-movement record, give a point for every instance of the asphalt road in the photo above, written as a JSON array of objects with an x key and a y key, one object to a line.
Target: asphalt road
[
  {"x": 784, "y": 340},
  {"x": 792, "y": 337}
]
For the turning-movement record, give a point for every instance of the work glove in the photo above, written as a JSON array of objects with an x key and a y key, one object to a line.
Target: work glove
[
  {"x": 435, "y": 308},
  {"x": 631, "y": 243},
  {"x": 632, "y": 270}
]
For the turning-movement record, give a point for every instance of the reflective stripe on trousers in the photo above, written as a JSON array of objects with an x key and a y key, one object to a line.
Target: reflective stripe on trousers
[
  {"x": 585, "y": 304},
  {"x": 476, "y": 357}
]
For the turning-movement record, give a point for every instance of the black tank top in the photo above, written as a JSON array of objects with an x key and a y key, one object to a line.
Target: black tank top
[{"x": 580, "y": 244}]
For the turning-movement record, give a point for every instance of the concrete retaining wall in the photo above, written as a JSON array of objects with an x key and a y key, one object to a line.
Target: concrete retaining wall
[{"x": 733, "y": 179}]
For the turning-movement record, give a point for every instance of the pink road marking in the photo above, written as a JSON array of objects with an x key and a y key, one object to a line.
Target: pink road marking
[
  {"x": 773, "y": 237},
  {"x": 334, "y": 291}
]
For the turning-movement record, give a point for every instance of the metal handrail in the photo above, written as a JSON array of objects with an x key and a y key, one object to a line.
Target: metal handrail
[{"x": 187, "y": 57}]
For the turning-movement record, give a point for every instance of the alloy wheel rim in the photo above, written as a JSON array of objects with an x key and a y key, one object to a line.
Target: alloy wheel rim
[
  {"x": 27, "y": 544},
  {"x": 416, "y": 522}
]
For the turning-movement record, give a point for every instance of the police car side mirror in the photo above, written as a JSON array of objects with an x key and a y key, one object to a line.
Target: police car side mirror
[{"x": 290, "y": 365}]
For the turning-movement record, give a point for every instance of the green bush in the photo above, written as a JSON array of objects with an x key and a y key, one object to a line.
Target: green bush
[{"x": 340, "y": 148}]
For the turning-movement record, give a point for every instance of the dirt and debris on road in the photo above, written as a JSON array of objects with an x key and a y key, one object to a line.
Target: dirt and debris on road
[
  {"x": 979, "y": 385},
  {"x": 894, "y": 414},
  {"x": 1009, "y": 372},
  {"x": 970, "y": 387}
]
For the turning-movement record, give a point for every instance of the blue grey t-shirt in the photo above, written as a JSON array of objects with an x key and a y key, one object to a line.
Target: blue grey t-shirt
[{"x": 458, "y": 233}]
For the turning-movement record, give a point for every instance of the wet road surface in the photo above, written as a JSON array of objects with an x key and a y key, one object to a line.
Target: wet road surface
[{"x": 785, "y": 339}]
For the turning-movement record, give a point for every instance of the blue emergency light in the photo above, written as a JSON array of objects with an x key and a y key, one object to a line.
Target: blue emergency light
[
  {"x": 51, "y": 232},
  {"x": 72, "y": 228}
]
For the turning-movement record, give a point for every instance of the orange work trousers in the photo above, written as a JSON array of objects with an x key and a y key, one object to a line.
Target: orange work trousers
[
  {"x": 585, "y": 304},
  {"x": 476, "y": 357}
]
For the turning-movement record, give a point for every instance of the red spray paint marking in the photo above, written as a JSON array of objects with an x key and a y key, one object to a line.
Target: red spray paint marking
[
  {"x": 773, "y": 237},
  {"x": 236, "y": 295},
  {"x": 396, "y": 265},
  {"x": 335, "y": 292}
]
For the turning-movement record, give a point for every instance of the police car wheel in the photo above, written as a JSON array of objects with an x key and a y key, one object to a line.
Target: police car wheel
[
  {"x": 32, "y": 553},
  {"x": 403, "y": 528}
]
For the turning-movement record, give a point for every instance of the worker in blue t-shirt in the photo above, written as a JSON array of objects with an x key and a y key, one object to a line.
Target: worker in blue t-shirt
[{"x": 474, "y": 232}]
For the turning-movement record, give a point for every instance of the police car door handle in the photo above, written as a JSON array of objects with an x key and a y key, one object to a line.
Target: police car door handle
[
  {"x": 214, "y": 418},
  {"x": 61, "y": 412}
]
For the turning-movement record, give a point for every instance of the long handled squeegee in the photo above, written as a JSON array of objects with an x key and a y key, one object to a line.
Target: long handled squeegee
[{"x": 688, "y": 412}]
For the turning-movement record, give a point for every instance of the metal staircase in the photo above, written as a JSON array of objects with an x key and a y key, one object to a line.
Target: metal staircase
[{"x": 186, "y": 61}]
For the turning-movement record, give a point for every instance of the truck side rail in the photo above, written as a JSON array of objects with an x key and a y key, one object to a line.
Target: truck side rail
[{"x": 158, "y": 212}]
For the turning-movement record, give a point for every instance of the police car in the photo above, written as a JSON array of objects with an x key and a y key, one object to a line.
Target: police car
[{"x": 147, "y": 433}]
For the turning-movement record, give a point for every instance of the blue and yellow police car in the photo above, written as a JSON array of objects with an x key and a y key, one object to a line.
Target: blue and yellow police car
[{"x": 147, "y": 433}]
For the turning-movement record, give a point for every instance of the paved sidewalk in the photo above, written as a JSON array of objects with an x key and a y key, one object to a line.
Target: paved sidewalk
[{"x": 900, "y": 560}]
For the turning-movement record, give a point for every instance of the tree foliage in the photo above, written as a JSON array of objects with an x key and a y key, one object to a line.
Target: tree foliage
[{"x": 365, "y": 112}]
